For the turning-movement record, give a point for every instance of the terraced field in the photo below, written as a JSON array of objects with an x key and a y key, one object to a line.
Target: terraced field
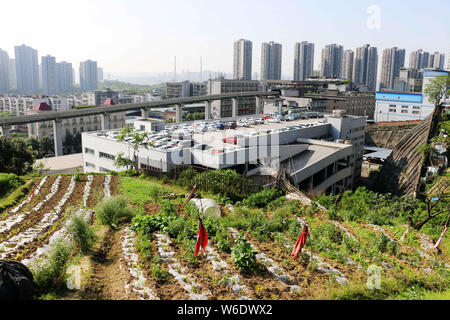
[{"x": 157, "y": 262}]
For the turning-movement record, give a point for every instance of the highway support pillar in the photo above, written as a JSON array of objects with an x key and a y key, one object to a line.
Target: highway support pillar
[
  {"x": 179, "y": 113},
  {"x": 104, "y": 119},
  {"x": 57, "y": 137},
  {"x": 208, "y": 115},
  {"x": 234, "y": 107},
  {"x": 145, "y": 113},
  {"x": 258, "y": 105}
]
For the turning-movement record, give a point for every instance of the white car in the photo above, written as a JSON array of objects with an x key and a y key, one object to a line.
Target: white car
[{"x": 273, "y": 120}]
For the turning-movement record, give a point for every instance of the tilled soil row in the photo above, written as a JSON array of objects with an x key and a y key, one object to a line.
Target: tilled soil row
[
  {"x": 96, "y": 190},
  {"x": 35, "y": 216},
  {"x": 108, "y": 278},
  {"x": 74, "y": 202},
  {"x": 45, "y": 189}
]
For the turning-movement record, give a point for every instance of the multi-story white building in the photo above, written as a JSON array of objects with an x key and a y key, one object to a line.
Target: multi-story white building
[
  {"x": 16, "y": 105},
  {"x": 347, "y": 66},
  {"x": 400, "y": 106},
  {"x": 64, "y": 77},
  {"x": 314, "y": 165}
]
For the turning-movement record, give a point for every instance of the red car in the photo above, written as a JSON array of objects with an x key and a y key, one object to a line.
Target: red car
[
  {"x": 232, "y": 140},
  {"x": 266, "y": 117}
]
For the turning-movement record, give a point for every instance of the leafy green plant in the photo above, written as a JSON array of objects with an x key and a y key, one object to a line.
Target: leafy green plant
[
  {"x": 143, "y": 244},
  {"x": 262, "y": 198},
  {"x": 159, "y": 273},
  {"x": 82, "y": 234},
  {"x": 244, "y": 256},
  {"x": 113, "y": 210},
  {"x": 49, "y": 274}
]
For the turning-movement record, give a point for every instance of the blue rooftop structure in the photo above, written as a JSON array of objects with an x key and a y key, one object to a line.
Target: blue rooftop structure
[{"x": 399, "y": 96}]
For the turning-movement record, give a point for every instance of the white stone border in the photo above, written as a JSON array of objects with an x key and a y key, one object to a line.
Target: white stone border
[
  {"x": 107, "y": 186},
  {"x": 8, "y": 224},
  {"x": 31, "y": 234},
  {"x": 130, "y": 261},
  {"x": 221, "y": 266},
  {"x": 177, "y": 271},
  {"x": 28, "y": 198}
]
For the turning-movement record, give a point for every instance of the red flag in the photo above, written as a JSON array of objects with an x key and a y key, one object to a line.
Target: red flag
[
  {"x": 300, "y": 243},
  {"x": 31, "y": 196},
  {"x": 202, "y": 238}
]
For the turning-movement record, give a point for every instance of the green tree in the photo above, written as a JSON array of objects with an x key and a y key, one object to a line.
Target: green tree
[
  {"x": 136, "y": 139},
  {"x": 15, "y": 156}
]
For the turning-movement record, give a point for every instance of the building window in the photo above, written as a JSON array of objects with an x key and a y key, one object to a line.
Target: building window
[
  {"x": 393, "y": 110},
  {"x": 106, "y": 156},
  {"x": 404, "y": 111},
  {"x": 416, "y": 108},
  {"x": 104, "y": 169},
  {"x": 415, "y": 112},
  {"x": 90, "y": 165},
  {"x": 405, "y": 107},
  {"x": 89, "y": 150}
]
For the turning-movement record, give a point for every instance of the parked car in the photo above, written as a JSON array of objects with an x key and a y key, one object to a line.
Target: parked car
[{"x": 230, "y": 125}]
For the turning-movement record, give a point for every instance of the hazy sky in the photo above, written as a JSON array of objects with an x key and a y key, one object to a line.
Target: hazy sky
[{"x": 134, "y": 36}]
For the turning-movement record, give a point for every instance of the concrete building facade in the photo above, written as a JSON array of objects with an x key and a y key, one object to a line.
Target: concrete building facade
[
  {"x": 88, "y": 75},
  {"x": 331, "y": 64},
  {"x": 226, "y": 107},
  {"x": 365, "y": 66},
  {"x": 303, "y": 60},
  {"x": 27, "y": 69},
  {"x": 347, "y": 67},
  {"x": 271, "y": 54},
  {"x": 242, "y": 60},
  {"x": 64, "y": 76},
  {"x": 393, "y": 60},
  {"x": 48, "y": 68},
  {"x": 4, "y": 72}
]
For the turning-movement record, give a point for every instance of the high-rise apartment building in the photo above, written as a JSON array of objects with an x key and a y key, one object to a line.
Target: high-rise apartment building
[
  {"x": 347, "y": 67},
  {"x": 4, "y": 71},
  {"x": 303, "y": 60},
  {"x": 365, "y": 66},
  {"x": 332, "y": 56},
  {"x": 418, "y": 59},
  {"x": 242, "y": 60},
  {"x": 393, "y": 60},
  {"x": 437, "y": 61},
  {"x": 271, "y": 61},
  {"x": 48, "y": 69},
  {"x": 64, "y": 76},
  {"x": 88, "y": 75},
  {"x": 27, "y": 69}
]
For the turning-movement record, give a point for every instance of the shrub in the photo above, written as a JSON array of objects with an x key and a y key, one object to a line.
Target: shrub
[
  {"x": 9, "y": 182},
  {"x": 147, "y": 224},
  {"x": 154, "y": 192},
  {"x": 262, "y": 199},
  {"x": 49, "y": 274},
  {"x": 243, "y": 255},
  {"x": 191, "y": 210},
  {"x": 83, "y": 236},
  {"x": 113, "y": 210}
]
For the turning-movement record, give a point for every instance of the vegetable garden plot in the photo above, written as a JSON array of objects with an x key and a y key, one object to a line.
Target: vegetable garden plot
[
  {"x": 11, "y": 247},
  {"x": 29, "y": 198},
  {"x": 221, "y": 266},
  {"x": 277, "y": 271},
  {"x": 85, "y": 214},
  {"x": 13, "y": 221},
  {"x": 177, "y": 271},
  {"x": 138, "y": 284}
]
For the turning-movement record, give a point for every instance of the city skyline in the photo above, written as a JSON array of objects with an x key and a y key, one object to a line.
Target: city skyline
[{"x": 212, "y": 29}]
